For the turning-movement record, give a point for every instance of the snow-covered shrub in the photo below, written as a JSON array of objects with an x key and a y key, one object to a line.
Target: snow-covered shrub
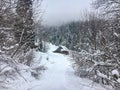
[
  {"x": 7, "y": 70},
  {"x": 45, "y": 47},
  {"x": 37, "y": 71},
  {"x": 42, "y": 46},
  {"x": 83, "y": 62},
  {"x": 95, "y": 67},
  {"x": 2, "y": 39},
  {"x": 29, "y": 57}
]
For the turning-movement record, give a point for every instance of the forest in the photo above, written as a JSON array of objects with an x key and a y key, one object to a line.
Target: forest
[{"x": 93, "y": 42}]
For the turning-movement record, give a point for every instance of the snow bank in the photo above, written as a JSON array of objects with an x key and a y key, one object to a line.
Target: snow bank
[{"x": 59, "y": 75}]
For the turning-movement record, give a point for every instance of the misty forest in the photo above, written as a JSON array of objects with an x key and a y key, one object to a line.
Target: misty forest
[{"x": 81, "y": 54}]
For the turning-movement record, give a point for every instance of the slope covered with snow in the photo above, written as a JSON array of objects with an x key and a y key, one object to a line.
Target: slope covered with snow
[{"x": 58, "y": 76}]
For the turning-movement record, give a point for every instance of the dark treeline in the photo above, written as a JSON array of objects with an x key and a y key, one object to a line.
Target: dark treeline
[{"x": 90, "y": 34}]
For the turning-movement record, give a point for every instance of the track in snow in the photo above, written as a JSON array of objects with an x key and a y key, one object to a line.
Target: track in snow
[{"x": 60, "y": 76}]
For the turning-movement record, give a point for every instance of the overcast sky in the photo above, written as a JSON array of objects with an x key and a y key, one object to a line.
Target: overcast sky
[{"x": 62, "y": 11}]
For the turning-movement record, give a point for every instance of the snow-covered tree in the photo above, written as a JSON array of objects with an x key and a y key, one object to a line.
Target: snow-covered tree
[{"x": 24, "y": 32}]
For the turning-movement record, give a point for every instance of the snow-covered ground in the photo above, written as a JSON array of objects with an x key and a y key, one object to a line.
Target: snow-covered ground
[{"x": 58, "y": 76}]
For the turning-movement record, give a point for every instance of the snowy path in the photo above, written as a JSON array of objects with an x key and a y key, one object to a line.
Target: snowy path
[{"x": 60, "y": 76}]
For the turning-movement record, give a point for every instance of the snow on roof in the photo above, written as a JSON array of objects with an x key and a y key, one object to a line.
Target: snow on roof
[{"x": 64, "y": 48}]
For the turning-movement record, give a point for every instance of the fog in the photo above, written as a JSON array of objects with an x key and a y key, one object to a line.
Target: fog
[{"x": 61, "y": 11}]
